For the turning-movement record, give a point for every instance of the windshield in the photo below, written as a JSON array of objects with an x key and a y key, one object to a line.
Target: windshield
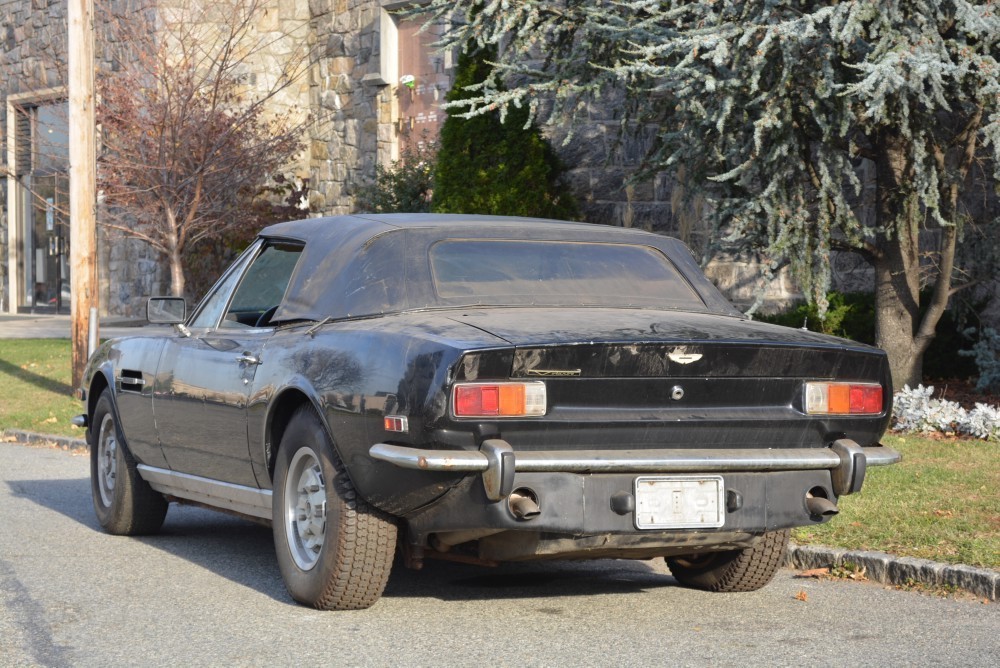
[{"x": 503, "y": 272}]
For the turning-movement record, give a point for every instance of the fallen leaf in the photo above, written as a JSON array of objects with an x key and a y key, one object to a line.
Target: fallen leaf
[
  {"x": 802, "y": 596},
  {"x": 50, "y": 420},
  {"x": 814, "y": 573}
]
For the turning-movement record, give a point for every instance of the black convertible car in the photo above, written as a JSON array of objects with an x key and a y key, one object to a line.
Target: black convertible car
[{"x": 481, "y": 389}]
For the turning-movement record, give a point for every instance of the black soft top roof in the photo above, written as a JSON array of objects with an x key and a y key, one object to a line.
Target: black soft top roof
[{"x": 367, "y": 264}]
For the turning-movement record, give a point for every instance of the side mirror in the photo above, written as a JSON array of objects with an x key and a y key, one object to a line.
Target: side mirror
[{"x": 166, "y": 310}]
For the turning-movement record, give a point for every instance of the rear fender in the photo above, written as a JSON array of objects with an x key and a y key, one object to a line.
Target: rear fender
[{"x": 280, "y": 409}]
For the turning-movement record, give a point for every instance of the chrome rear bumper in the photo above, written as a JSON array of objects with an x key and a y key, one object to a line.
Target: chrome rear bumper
[{"x": 496, "y": 459}]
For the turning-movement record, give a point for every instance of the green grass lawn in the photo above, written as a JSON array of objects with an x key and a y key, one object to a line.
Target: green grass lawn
[
  {"x": 35, "y": 392},
  {"x": 940, "y": 503}
]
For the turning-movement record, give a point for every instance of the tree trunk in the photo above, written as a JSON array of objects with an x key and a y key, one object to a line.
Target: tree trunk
[
  {"x": 897, "y": 309},
  {"x": 176, "y": 273},
  {"x": 897, "y": 264}
]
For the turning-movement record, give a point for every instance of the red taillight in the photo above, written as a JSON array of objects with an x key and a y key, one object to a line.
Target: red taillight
[
  {"x": 499, "y": 399},
  {"x": 866, "y": 399},
  {"x": 843, "y": 398}
]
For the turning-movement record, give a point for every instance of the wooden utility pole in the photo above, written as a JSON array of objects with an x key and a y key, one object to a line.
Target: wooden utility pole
[{"x": 82, "y": 181}]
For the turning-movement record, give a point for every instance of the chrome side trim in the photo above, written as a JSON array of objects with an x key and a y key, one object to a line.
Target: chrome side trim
[
  {"x": 237, "y": 498},
  {"x": 837, "y": 460}
]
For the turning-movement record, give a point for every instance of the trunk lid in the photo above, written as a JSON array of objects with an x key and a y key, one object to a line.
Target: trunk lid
[
  {"x": 637, "y": 378},
  {"x": 633, "y": 343}
]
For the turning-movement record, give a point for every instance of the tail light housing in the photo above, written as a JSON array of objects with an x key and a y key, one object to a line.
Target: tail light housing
[
  {"x": 823, "y": 398},
  {"x": 506, "y": 399}
]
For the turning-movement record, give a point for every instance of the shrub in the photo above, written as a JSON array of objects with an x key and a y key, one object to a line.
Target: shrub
[
  {"x": 914, "y": 410},
  {"x": 491, "y": 167},
  {"x": 986, "y": 353},
  {"x": 405, "y": 186},
  {"x": 851, "y": 315},
  {"x": 983, "y": 422}
]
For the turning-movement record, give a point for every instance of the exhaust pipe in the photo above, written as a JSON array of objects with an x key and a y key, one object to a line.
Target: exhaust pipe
[
  {"x": 821, "y": 507},
  {"x": 523, "y": 504}
]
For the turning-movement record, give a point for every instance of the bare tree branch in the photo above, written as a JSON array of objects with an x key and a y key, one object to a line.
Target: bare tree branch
[{"x": 190, "y": 137}]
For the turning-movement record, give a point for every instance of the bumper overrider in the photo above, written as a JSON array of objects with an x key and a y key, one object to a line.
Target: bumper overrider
[{"x": 594, "y": 492}]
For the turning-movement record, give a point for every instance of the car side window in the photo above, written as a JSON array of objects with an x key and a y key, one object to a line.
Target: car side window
[
  {"x": 262, "y": 288},
  {"x": 211, "y": 309}
]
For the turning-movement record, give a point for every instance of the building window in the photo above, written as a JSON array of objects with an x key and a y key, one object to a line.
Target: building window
[
  {"x": 40, "y": 219},
  {"x": 425, "y": 77},
  {"x": 419, "y": 76}
]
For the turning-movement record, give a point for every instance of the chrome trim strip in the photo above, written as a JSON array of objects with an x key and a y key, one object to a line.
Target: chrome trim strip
[
  {"x": 554, "y": 373},
  {"x": 630, "y": 461},
  {"x": 238, "y": 498},
  {"x": 881, "y": 456},
  {"x": 429, "y": 460}
]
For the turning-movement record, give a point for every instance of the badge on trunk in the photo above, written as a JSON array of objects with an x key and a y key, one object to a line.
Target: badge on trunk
[{"x": 682, "y": 356}]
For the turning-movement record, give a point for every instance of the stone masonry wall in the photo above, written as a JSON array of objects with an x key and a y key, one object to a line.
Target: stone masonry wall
[
  {"x": 33, "y": 34},
  {"x": 352, "y": 128}
]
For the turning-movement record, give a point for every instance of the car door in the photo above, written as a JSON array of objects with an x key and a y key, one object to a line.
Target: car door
[
  {"x": 203, "y": 380},
  {"x": 134, "y": 374}
]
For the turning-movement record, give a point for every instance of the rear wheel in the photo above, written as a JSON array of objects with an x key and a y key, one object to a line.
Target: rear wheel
[
  {"x": 334, "y": 550},
  {"x": 125, "y": 503},
  {"x": 748, "y": 569}
]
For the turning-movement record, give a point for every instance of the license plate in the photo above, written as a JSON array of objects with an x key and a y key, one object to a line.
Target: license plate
[{"x": 679, "y": 502}]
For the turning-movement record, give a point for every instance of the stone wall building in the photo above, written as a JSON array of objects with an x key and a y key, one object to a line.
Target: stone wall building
[
  {"x": 373, "y": 89},
  {"x": 34, "y": 163}
]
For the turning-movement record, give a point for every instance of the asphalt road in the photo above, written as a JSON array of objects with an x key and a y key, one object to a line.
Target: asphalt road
[{"x": 206, "y": 592}]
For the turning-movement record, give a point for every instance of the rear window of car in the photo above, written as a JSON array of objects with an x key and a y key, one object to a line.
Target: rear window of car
[{"x": 501, "y": 272}]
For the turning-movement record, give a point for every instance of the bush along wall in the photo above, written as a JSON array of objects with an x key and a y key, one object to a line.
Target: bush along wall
[
  {"x": 488, "y": 167},
  {"x": 851, "y": 315},
  {"x": 405, "y": 186},
  {"x": 916, "y": 411}
]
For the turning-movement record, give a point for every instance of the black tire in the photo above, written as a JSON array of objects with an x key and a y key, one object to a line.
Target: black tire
[
  {"x": 125, "y": 503},
  {"x": 748, "y": 569},
  {"x": 334, "y": 550}
]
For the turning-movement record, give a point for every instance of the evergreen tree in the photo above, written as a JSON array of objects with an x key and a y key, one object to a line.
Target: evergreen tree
[
  {"x": 491, "y": 164},
  {"x": 777, "y": 110}
]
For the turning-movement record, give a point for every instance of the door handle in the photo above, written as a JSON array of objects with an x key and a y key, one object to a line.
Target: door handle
[{"x": 247, "y": 358}]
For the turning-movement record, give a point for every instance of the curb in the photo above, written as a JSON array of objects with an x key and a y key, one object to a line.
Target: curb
[
  {"x": 32, "y": 438},
  {"x": 879, "y": 566},
  {"x": 899, "y": 571}
]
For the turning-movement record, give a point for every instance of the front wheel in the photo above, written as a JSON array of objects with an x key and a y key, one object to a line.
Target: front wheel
[
  {"x": 125, "y": 503},
  {"x": 334, "y": 550},
  {"x": 748, "y": 569}
]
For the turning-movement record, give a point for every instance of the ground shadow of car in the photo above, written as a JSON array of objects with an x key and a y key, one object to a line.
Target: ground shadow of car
[{"x": 243, "y": 553}]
